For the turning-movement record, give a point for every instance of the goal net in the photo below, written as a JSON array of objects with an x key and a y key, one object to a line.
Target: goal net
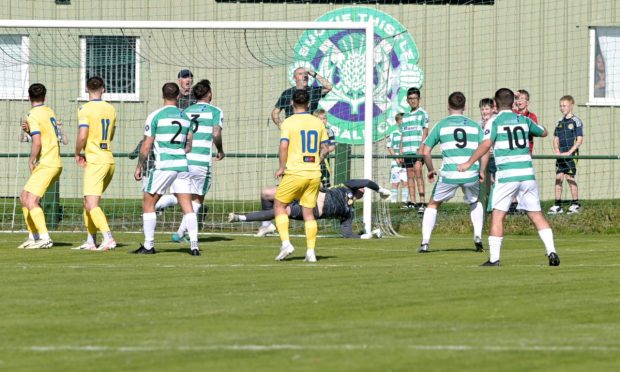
[{"x": 248, "y": 64}]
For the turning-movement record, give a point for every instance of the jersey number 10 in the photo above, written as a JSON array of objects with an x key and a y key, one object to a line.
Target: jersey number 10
[{"x": 309, "y": 141}]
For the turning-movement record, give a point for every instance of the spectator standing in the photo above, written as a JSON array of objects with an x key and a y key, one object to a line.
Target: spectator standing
[{"x": 567, "y": 138}]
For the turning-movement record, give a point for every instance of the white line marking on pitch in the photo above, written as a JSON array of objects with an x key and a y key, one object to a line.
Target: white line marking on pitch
[{"x": 533, "y": 348}]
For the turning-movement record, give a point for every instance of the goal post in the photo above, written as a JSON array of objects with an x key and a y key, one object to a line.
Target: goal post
[{"x": 157, "y": 50}]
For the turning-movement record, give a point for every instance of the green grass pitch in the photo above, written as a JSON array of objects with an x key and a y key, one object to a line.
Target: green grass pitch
[{"x": 365, "y": 306}]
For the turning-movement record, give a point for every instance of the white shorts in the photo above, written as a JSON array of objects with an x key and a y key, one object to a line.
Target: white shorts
[
  {"x": 526, "y": 193},
  {"x": 198, "y": 182},
  {"x": 446, "y": 191},
  {"x": 158, "y": 181},
  {"x": 398, "y": 174}
]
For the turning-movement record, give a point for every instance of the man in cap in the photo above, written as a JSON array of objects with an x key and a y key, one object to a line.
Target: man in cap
[{"x": 185, "y": 79}]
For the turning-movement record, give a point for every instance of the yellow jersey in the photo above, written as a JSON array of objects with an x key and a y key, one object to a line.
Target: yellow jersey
[
  {"x": 42, "y": 122},
  {"x": 305, "y": 134},
  {"x": 100, "y": 119}
]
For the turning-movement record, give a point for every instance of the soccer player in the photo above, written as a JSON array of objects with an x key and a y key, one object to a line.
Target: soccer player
[
  {"x": 515, "y": 176},
  {"x": 414, "y": 130},
  {"x": 96, "y": 127},
  {"x": 398, "y": 174},
  {"x": 303, "y": 146},
  {"x": 487, "y": 112},
  {"x": 458, "y": 137},
  {"x": 167, "y": 130},
  {"x": 333, "y": 203},
  {"x": 206, "y": 124},
  {"x": 567, "y": 138},
  {"x": 325, "y": 168},
  {"x": 45, "y": 167}
]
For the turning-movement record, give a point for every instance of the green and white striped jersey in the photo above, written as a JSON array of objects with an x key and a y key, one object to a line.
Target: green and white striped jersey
[
  {"x": 394, "y": 142},
  {"x": 203, "y": 117},
  {"x": 459, "y": 137},
  {"x": 412, "y": 128},
  {"x": 169, "y": 127},
  {"x": 509, "y": 134}
]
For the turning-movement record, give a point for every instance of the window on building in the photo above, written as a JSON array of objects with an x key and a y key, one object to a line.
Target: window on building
[
  {"x": 14, "y": 77},
  {"x": 604, "y": 66},
  {"x": 115, "y": 60}
]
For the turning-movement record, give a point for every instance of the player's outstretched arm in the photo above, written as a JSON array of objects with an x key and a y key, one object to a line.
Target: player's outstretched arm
[
  {"x": 80, "y": 143},
  {"x": 34, "y": 151},
  {"x": 283, "y": 156},
  {"x": 147, "y": 142},
  {"x": 482, "y": 149},
  {"x": 428, "y": 161},
  {"x": 217, "y": 141}
]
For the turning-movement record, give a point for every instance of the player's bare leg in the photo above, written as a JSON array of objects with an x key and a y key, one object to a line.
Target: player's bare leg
[{"x": 190, "y": 221}]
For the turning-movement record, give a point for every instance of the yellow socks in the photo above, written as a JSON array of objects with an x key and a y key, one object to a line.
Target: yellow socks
[
  {"x": 32, "y": 229},
  {"x": 90, "y": 225},
  {"x": 98, "y": 218},
  {"x": 38, "y": 219},
  {"x": 282, "y": 225},
  {"x": 311, "y": 231}
]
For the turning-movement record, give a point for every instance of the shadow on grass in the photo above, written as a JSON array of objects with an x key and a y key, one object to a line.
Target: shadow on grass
[
  {"x": 434, "y": 250},
  {"x": 318, "y": 258}
]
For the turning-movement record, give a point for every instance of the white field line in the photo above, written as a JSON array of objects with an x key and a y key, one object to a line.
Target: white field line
[
  {"x": 293, "y": 347},
  {"x": 286, "y": 265}
]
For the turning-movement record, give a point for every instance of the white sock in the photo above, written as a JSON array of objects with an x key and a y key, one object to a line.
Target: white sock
[
  {"x": 91, "y": 238},
  {"x": 149, "y": 221},
  {"x": 263, "y": 224},
  {"x": 546, "y": 235},
  {"x": 394, "y": 197},
  {"x": 405, "y": 195},
  {"x": 44, "y": 236},
  {"x": 192, "y": 226},
  {"x": 495, "y": 246},
  {"x": 243, "y": 218},
  {"x": 33, "y": 236},
  {"x": 196, "y": 206},
  {"x": 428, "y": 224},
  {"x": 166, "y": 201},
  {"x": 107, "y": 236},
  {"x": 182, "y": 227},
  {"x": 285, "y": 242},
  {"x": 477, "y": 218}
]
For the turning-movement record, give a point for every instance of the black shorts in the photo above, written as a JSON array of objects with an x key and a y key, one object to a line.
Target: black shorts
[
  {"x": 566, "y": 166},
  {"x": 297, "y": 214},
  {"x": 410, "y": 162}
]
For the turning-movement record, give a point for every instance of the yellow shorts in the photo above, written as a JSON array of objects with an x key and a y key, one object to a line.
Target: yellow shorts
[
  {"x": 41, "y": 178},
  {"x": 97, "y": 177},
  {"x": 302, "y": 189}
]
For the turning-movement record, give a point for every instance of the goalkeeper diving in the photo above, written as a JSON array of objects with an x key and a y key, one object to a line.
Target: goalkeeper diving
[{"x": 333, "y": 203}]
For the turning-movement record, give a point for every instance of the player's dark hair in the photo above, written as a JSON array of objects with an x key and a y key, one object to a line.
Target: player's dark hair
[
  {"x": 170, "y": 91},
  {"x": 37, "y": 92},
  {"x": 486, "y": 102},
  {"x": 301, "y": 98},
  {"x": 94, "y": 83},
  {"x": 414, "y": 91},
  {"x": 201, "y": 89},
  {"x": 504, "y": 98},
  {"x": 456, "y": 101},
  {"x": 399, "y": 116},
  {"x": 522, "y": 92}
]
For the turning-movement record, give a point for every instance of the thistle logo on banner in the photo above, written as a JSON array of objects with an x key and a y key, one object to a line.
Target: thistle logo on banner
[{"x": 339, "y": 56}]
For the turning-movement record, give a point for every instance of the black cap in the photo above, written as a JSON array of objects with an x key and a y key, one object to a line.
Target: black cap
[{"x": 185, "y": 73}]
